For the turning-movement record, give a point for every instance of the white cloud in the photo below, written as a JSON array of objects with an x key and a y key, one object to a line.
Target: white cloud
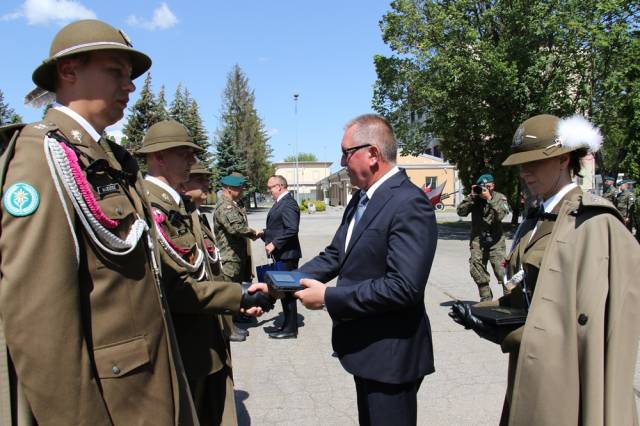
[
  {"x": 272, "y": 132},
  {"x": 38, "y": 12},
  {"x": 163, "y": 18}
]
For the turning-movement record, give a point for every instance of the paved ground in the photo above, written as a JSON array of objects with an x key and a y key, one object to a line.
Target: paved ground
[{"x": 298, "y": 382}]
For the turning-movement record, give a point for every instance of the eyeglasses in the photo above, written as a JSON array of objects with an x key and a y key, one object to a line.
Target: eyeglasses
[
  {"x": 273, "y": 186},
  {"x": 346, "y": 152}
]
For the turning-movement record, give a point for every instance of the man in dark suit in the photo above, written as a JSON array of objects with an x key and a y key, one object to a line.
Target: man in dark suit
[
  {"x": 382, "y": 254},
  {"x": 282, "y": 244}
]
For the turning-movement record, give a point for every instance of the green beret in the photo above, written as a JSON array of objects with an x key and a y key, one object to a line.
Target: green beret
[
  {"x": 629, "y": 181},
  {"x": 610, "y": 178},
  {"x": 233, "y": 181},
  {"x": 484, "y": 179}
]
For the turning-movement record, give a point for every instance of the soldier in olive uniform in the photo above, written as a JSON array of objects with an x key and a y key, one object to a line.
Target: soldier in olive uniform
[
  {"x": 610, "y": 191},
  {"x": 82, "y": 309},
  {"x": 194, "y": 298},
  {"x": 487, "y": 208},
  {"x": 625, "y": 202}
]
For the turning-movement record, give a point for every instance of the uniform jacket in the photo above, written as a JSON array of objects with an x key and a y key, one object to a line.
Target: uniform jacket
[
  {"x": 283, "y": 221},
  {"x": 578, "y": 346},
  {"x": 89, "y": 339},
  {"x": 194, "y": 304},
  {"x": 486, "y": 216},
  {"x": 380, "y": 327},
  {"x": 232, "y": 235}
]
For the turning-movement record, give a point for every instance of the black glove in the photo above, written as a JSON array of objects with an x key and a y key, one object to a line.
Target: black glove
[
  {"x": 461, "y": 313},
  {"x": 259, "y": 299}
]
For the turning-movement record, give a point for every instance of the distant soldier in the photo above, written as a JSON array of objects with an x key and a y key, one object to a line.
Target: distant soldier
[
  {"x": 195, "y": 296},
  {"x": 487, "y": 244},
  {"x": 625, "y": 202},
  {"x": 81, "y": 305},
  {"x": 609, "y": 191},
  {"x": 232, "y": 234}
]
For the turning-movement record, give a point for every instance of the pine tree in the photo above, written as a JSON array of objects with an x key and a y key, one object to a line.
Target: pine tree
[
  {"x": 179, "y": 106},
  {"x": 7, "y": 114},
  {"x": 161, "y": 106},
  {"x": 193, "y": 122},
  {"x": 229, "y": 159},
  {"x": 143, "y": 114},
  {"x": 242, "y": 127}
]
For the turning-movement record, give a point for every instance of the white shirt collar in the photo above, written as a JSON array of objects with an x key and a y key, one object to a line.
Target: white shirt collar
[
  {"x": 382, "y": 180},
  {"x": 550, "y": 203},
  {"x": 80, "y": 119},
  {"x": 174, "y": 194},
  {"x": 281, "y": 196}
]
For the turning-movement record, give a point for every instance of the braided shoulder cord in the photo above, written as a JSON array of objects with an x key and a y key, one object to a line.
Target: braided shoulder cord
[
  {"x": 89, "y": 213},
  {"x": 175, "y": 252}
]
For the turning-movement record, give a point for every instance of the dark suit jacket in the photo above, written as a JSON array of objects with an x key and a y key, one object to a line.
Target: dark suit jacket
[
  {"x": 380, "y": 327},
  {"x": 283, "y": 221}
]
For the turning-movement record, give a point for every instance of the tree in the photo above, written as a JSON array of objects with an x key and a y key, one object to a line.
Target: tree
[
  {"x": 179, "y": 109},
  {"x": 161, "y": 106},
  {"x": 470, "y": 71},
  {"x": 142, "y": 115},
  {"x": 193, "y": 122},
  {"x": 7, "y": 114},
  {"x": 241, "y": 126},
  {"x": 302, "y": 156}
]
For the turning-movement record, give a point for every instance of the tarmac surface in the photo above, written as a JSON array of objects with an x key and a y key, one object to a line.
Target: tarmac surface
[{"x": 298, "y": 382}]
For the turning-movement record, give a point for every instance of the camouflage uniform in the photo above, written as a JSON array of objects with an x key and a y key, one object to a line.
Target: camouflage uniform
[
  {"x": 232, "y": 234},
  {"x": 625, "y": 203},
  {"x": 610, "y": 194},
  {"x": 487, "y": 242}
]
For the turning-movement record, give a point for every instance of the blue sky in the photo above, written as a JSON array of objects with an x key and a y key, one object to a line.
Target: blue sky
[{"x": 321, "y": 50}]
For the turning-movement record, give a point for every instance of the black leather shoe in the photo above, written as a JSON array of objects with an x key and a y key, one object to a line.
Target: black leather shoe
[
  {"x": 283, "y": 335},
  {"x": 241, "y": 331}
]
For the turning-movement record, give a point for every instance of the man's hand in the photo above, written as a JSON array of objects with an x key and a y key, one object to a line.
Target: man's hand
[
  {"x": 312, "y": 297},
  {"x": 252, "y": 312},
  {"x": 269, "y": 248},
  {"x": 260, "y": 234},
  {"x": 256, "y": 296}
]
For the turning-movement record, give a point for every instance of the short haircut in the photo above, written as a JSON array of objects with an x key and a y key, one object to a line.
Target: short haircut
[
  {"x": 83, "y": 58},
  {"x": 281, "y": 179},
  {"x": 374, "y": 129}
]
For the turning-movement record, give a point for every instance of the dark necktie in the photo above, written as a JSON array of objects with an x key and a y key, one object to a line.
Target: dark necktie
[{"x": 362, "y": 205}]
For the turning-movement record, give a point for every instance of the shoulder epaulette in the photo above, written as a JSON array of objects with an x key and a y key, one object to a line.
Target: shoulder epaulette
[
  {"x": 591, "y": 203},
  {"x": 8, "y": 131}
]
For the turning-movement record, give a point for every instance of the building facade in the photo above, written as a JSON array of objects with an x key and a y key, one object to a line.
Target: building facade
[{"x": 308, "y": 174}]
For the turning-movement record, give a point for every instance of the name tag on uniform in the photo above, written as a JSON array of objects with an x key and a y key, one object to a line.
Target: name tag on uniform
[{"x": 105, "y": 190}]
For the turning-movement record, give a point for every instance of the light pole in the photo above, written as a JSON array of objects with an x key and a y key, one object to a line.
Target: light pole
[{"x": 295, "y": 112}]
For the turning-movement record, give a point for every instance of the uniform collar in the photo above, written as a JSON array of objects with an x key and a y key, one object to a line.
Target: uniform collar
[
  {"x": 78, "y": 119},
  {"x": 174, "y": 194},
  {"x": 552, "y": 201}
]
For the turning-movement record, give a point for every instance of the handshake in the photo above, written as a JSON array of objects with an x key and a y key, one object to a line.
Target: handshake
[{"x": 257, "y": 299}]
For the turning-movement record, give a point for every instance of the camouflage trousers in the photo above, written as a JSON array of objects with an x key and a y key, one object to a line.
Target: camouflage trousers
[{"x": 478, "y": 264}]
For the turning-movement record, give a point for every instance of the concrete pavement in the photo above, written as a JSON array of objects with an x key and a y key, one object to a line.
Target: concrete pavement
[{"x": 298, "y": 382}]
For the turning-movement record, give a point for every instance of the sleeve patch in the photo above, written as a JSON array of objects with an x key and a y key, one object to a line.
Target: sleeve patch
[{"x": 21, "y": 199}]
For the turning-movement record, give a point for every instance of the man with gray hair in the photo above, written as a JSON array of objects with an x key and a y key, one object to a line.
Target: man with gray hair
[{"x": 382, "y": 254}]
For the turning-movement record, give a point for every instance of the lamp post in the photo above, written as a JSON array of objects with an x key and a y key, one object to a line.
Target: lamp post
[{"x": 295, "y": 112}]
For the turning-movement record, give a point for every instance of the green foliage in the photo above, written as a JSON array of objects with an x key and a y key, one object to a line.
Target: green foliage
[
  {"x": 302, "y": 156},
  {"x": 7, "y": 114},
  {"x": 161, "y": 106},
  {"x": 142, "y": 115},
  {"x": 241, "y": 127},
  {"x": 320, "y": 205},
  {"x": 473, "y": 70}
]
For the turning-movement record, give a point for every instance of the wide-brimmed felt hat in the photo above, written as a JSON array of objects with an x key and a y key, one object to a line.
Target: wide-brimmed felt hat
[
  {"x": 200, "y": 169},
  {"x": 234, "y": 180},
  {"x": 88, "y": 35},
  {"x": 546, "y": 136},
  {"x": 166, "y": 134}
]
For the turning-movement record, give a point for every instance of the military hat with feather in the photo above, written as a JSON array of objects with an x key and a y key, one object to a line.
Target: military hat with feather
[
  {"x": 83, "y": 36},
  {"x": 546, "y": 136}
]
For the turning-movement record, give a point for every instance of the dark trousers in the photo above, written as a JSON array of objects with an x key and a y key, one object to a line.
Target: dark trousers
[
  {"x": 387, "y": 403},
  {"x": 290, "y": 303}
]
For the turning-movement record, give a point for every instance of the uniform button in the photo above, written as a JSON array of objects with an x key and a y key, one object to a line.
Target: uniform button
[
  {"x": 115, "y": 370},
  {"x": 582, "y": 319}
]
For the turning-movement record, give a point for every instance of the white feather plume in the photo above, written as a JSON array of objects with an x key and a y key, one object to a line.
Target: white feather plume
[
  {"x": 578, "y": 132},
  {"x": 37, "y": 98}
]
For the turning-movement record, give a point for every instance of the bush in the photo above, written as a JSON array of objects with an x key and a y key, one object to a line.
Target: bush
[{"x": 320, "y": 206}]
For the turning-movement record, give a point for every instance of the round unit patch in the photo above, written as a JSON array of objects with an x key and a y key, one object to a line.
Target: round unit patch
[{"x": 21, "y": 199}]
